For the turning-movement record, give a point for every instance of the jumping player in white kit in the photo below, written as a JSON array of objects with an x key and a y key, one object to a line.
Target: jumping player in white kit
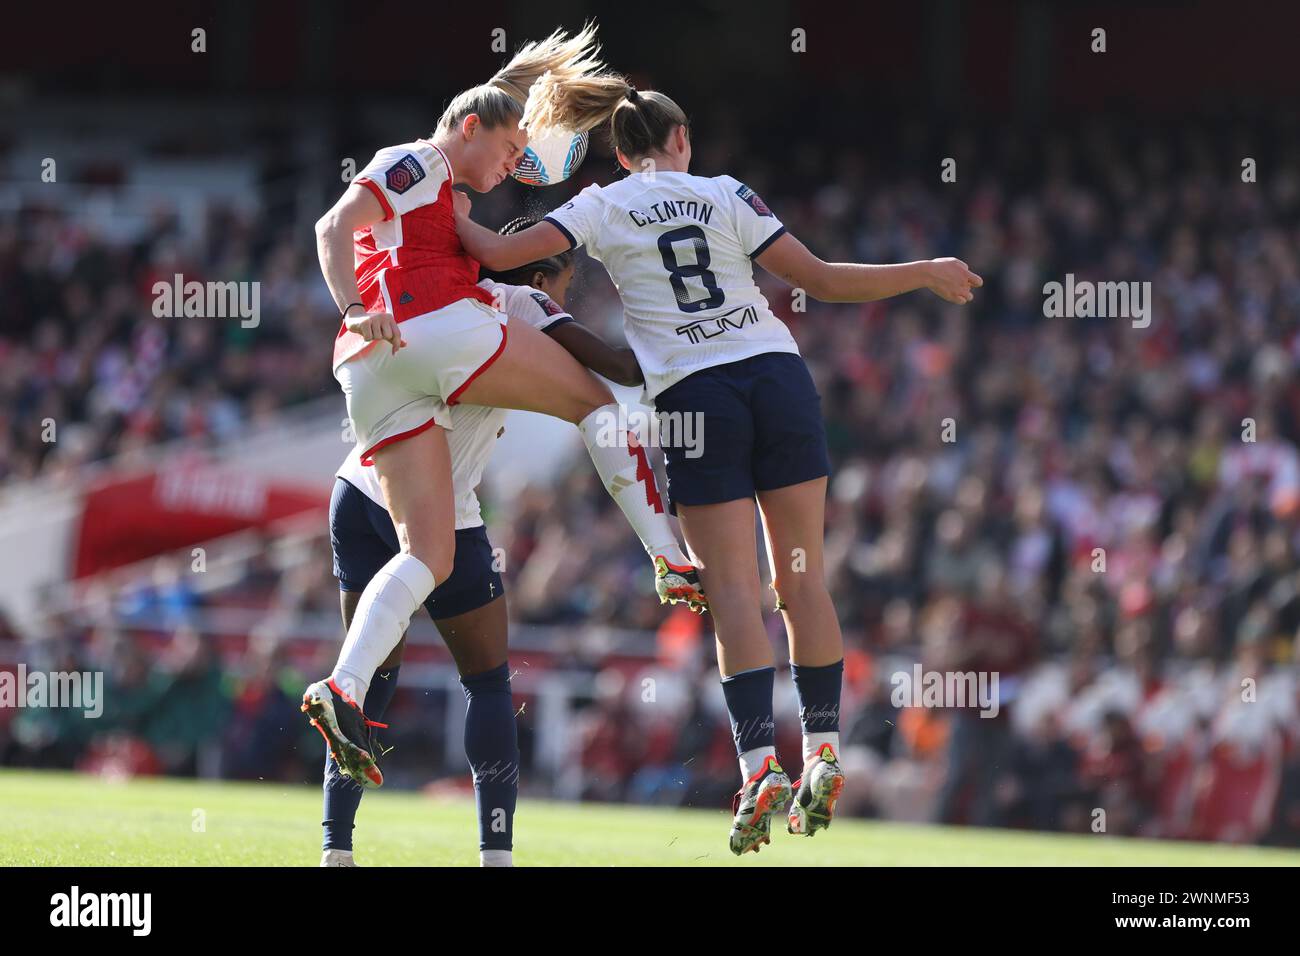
[
  {"x": 419, "y": 337},
  {"x": 680, "y": 249}
]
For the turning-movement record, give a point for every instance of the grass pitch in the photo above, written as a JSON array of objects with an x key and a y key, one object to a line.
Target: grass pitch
[{"x": 59, "y": 819}]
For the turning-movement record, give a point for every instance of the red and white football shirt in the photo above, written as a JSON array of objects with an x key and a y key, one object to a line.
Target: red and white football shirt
[{"x": 412, "y": 262}]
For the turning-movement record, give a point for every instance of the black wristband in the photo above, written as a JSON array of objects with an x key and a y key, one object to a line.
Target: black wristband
[{"x": 345, "y": 311}]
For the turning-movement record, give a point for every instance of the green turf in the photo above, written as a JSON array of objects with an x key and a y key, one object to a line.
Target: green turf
[{"x": 55, "y": 819}]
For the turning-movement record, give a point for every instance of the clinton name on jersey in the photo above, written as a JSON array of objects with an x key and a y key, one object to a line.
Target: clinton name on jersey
[
  {"x": 411, "y": 262},
  {"x": 474, "y": 428},
  {"x": 679, "y": 249}
]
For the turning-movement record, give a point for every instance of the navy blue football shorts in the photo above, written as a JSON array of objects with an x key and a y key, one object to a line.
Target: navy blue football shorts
[
  {"x": 364, "y": 540},
  {"x": 759, "y": 428}
]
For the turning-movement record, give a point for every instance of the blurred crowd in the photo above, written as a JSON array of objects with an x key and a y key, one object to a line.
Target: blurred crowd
[
  {"x": 81, "y": 347},
  {"x": 1106, "y": 516}
]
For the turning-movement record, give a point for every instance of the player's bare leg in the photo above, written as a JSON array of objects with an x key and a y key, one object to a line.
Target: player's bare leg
[
  {"x": 535, "y": 374},
  {"x": 477, "y": 638},
  {"x": 794, "y": 525},
  {"x": 721, "y": 538},
  {"x": 722, "y": 541},
  {"x": 415, "y": 477}
]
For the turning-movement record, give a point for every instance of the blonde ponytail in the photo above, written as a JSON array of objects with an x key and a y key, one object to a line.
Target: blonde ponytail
[
  {"x": 559, "y": 82},
  {"x": 563, "y": 82},
  {"x": 582, "y": 102},
  {"x": 566, "y": 58}
]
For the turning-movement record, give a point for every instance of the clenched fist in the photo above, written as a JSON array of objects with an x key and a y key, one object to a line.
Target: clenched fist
[
  {"x": 460, "y": 203},
  {"x": 373, "y": 326},
  {"x": 952, "y": 280}
]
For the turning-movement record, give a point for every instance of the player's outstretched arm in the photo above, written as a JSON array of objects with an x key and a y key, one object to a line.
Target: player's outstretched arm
[
  {"x": 501, "y": 253},
  {"x": 619, "y": 365},
  {"x": 790, "y": 260}
]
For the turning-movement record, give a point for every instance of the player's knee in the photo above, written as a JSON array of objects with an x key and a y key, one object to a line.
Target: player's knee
[
  {"x": 800, "y": 588},
  {"x": 441, "y": 566},
  {"x": 434, "y": 548},
  {"x": 582, "y": 406},
  {"x": 439, "y": 560},
  {"x": 484, "y": 673},
  {"x": 587, "y": 396},
  {"x": 727, "y": 597}
]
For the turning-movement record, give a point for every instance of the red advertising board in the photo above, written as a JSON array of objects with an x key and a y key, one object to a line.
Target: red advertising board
[{"x": 128, "y": 519}]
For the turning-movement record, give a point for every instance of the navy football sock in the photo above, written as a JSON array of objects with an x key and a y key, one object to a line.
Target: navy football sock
[
  {"x": 749, "y": 704},
  {"x": 818, "y": 689},
  {"x": 492, "y": 747},
  {"x": 343, "y": 796}
]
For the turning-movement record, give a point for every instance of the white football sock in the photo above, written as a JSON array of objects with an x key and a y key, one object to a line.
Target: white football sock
[
  {"x": 813, "y": 743},
  {"x": 495, "y": 858},
  {"x": 624, "y": 468},
  {"x": 751, "y": 761},
  {"x": 384, "y": 611}
]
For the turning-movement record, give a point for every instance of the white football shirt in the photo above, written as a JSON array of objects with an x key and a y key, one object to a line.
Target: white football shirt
[
  {"x": 474, "y": 428},
  {"x": 679, "y": 249}
]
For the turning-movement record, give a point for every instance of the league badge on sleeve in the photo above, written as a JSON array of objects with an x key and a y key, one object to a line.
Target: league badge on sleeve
[
  {"x": 403, "y": 174},
  {"x": 754, "y": 199},
  {"x": 549, "y": 305}
]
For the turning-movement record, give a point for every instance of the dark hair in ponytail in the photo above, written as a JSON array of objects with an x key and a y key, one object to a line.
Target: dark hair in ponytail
[
  {"x": 550, "y": 267},
  {"x": 642, "y": 122}
]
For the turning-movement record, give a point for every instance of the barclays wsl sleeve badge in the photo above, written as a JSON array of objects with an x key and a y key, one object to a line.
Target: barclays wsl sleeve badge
[
  {"x": 549, "y": 305},
  {"x": 403, "y": 174},
  {"x": 754, "y": 200}
]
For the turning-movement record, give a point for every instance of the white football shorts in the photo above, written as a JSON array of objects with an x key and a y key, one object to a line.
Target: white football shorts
[{"x": 392, "y": 397}]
